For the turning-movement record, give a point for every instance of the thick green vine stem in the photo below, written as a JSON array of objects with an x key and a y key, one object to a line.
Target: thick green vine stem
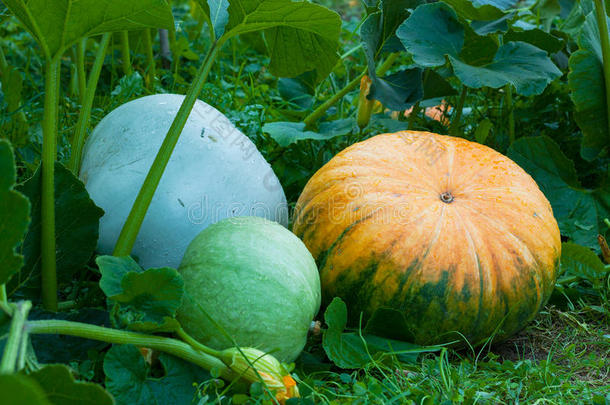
[
  {"x": 80, "y": 66},
  {"x": 3, "y": 63},
  {"x": 49, "y": 152},
  {"x": 126, "y": 58},
  {"x": 16, "y": 335},
  {"x": 150, "y": 60},
  {"x": 163, "y": 344},
  {"x": 3, "y": 296},
  {"x": 508, "y": 97},
  {"x": 455, "y": 122},
  {"x": 602, "y": 23},
  {"x": 319, "y": 112},
  {"x": 80, "y": 131},
  {"x": 132, "y": 225}
]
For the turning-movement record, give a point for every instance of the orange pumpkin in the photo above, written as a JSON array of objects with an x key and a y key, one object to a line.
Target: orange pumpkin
[{"x": 451, "y": 233}]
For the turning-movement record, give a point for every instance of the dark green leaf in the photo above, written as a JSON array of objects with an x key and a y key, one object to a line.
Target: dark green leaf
[
  {"x": 444, "y": 34},
  {"x": 286, "y": 133},
  {"x": 146, "y": 300},
  {"x": 59, "y": 25},
  {"x": 500, "y": 25},
  {"x": 14, "y": 215},
  {"x": 350, "y": 350},
  {"x": 536, "y": 37},
  {"x": 579, "y": 212},
  {"x": 478, "y": 50},
  {"x": 390, "y": 323},
  {"x": 398, "y": 91},
  {"x": 298, "y": 90},
  {"x": 435, "y": 86},
  {"x": 586, "y": 81},
  {"x": 60, "y": 388},
  {"x": 523, "y": 65},
  {"x": 582, "y": 262},
  {"x": 482, "y": 131},
  {"x": 483, "y": 10},
  {"x": 19, "y": 389},
  {"x": 340, "y": 352},
  {"x": 76, "y": 229},
  {"x": 300, "y": 36},
  {"x": 128, "y": 378}
]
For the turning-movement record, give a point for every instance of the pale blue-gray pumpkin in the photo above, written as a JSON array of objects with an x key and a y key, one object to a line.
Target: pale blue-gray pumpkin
[{"x": 254, "y": 278}]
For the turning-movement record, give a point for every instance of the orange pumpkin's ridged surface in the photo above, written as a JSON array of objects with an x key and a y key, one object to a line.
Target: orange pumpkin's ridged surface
[{"x": 450, "y": 232}]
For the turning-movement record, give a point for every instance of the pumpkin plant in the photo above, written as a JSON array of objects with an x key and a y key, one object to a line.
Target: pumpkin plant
[
  {"x": 56, "y": 32},
  {"x": 452, "y": 234},
  {"x": 282, "y": 22}
]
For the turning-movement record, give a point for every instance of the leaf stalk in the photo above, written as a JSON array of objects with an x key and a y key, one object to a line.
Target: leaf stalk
[
  {"x": 132, "y": 225},
  {"x": 84, "y": 116}
]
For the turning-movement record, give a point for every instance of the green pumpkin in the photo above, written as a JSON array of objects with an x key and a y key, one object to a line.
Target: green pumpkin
[{"x": 255, "y": 279}]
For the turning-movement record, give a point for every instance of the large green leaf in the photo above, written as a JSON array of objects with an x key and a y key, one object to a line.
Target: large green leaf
[
  {"x": 59, "y": 24},
  {"x": 579, "y": 212},
  {"x": 587, "y": 85},
  {"x": 60, "y": 388},
  {"x": 14, "y": 215},
  {"x": 76, "y": 229},
  {"x": 300, "y": 36},
  {"x": 143, "y": 300},
  {"x": 444, "y": 34},
  {"x": 128, "y": 378},
  {"x": 398, "y": 91},
  {"x": 520, "y": 64},
  {"x": 523, "y": 65},
  {"x": 18, "y": 389}
]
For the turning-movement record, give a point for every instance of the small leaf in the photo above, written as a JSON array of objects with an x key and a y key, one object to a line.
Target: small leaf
[
  {"x": 60, "y": 24},
  {"x": 350, "y": 350},
  {"x": 128, "y": 378},
  {"x": 286, "y": 133},
  {"x": 482, "y": 131},
  {"x": 76, "y": 229},
  {"x": 146, "y": 300},
  {"x": 339, "y": 352},
  {"x": 18, "y": 389},
  {"x": 14, "y": 215},
  {"x": 581, "y": 261},
  {"x": 60, "y": 388}
]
